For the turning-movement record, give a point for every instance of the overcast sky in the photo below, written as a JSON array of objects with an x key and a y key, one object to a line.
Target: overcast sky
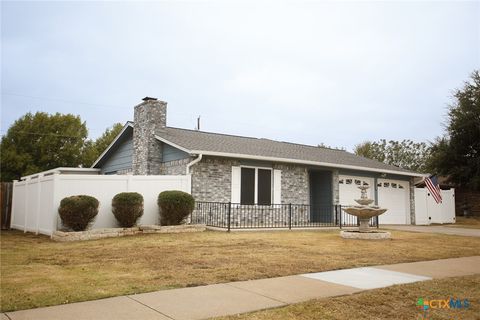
[{"x": 336, "y": 73}]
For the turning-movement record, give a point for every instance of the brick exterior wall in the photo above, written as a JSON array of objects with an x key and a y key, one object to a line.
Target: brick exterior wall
[
  {"x": 212, "y": 179},
  {"x": 212, "y": 182},
  {"x": 175, "y": 167},
  {"x": 276, "y": 216},
  {"x": 149, "y": 118},
  {"x": 295, "y": 184}
]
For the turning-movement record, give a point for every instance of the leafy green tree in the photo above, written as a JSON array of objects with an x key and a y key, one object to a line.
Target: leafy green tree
[
  {"x": 107, "y": 137},
  {"x": 41, "y": 141},
  {"x": 323, "y": 145},
  {"x": 371, "y": 150},
  {"x": 457, "y": 154},
  {"x": 405, "y": 154},
  {"x": 95, "y": 148}
]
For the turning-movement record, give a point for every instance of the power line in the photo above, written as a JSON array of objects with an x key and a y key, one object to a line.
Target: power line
[
  {"x": 47, "y": 134},
  {"x": 61, "y": 100}
]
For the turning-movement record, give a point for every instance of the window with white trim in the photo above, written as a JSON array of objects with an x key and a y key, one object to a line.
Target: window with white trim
[{"x": 256, "y": 186}]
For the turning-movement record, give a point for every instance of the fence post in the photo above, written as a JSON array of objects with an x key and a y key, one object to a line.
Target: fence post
[
  {"x": 335, "y": 215},
  {"x": 228, "y": 215},
  {"x": 289, "y": 216},
  {"x": 340, "y": 207},
  {"x": 6, "y": 203}
]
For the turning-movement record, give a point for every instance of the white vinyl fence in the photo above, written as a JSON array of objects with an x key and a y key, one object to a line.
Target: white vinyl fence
[
  {"x": 36, "y": 200},
  {"x": 427, "y": 211}
]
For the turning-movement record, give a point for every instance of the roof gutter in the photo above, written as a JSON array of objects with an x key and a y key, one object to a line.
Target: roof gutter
[{"x": 194, "y": 161}]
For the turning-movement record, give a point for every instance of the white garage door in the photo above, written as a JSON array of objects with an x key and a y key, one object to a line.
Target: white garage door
[
  {"x": 394, "y": 195},
  {"x": 348, "y": 189}
]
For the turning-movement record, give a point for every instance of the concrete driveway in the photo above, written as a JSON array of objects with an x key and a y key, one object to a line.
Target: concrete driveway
[{"x": 436, "y": 229}]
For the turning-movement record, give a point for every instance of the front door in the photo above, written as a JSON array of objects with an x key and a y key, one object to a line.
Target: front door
[{"x": 321, "y": 197}]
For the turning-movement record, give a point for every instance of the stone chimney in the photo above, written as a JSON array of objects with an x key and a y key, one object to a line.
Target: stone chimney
[{"x": 150, "y": 118}]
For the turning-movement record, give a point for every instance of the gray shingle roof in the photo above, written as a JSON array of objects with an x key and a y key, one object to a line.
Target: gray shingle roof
[{"x": 214, "y": 142}]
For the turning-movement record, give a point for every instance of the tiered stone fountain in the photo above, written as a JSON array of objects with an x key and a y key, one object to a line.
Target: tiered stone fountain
[{"x": 364, "y": 211}]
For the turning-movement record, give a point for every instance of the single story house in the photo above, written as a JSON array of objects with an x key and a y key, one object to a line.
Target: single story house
[{"x": 252, "y": 171}]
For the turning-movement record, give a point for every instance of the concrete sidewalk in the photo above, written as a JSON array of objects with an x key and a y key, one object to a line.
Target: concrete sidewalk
[
  {"x": 245, "y": 296},
  {"x": 458, "y": 231}
]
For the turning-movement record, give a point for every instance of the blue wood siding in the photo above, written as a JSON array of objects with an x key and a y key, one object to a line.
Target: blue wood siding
[
  {"x": 170, "y": 153},
  {"x": 121, "y": 158}
]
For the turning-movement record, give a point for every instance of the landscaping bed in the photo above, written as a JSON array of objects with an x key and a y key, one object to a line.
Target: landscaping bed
[
  {"x": 95, "y": 234},
  {"x": 36, "y": 271}
]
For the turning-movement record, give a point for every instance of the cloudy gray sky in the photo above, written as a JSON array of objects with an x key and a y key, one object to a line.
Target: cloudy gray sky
[{"x": 335, "y": 73}]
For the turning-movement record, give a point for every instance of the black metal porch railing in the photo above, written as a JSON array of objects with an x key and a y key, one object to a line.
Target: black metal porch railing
[{"x": 237, "y": 216}]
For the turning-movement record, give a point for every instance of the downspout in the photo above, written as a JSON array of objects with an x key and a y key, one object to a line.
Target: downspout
[{"x": 194, "y": 161}]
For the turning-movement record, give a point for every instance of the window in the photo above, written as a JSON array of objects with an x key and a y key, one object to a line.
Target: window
[
  {"x": 256, "y": 186},
  {"x": 247, "y": 193},
  {"x": 264, "y": 187}
]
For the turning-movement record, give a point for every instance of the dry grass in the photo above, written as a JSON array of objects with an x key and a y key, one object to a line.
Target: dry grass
[
  {"x": 36, "y": 271},
  {"x": 462, "y": 222},
  {"x": 397, "y": 302}
]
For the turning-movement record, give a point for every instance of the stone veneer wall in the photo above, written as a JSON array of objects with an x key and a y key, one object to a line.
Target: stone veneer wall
[
  {"x": 295, "y": 183},
  {"x": 336, "y": 187},
  {"x": 149, "y": 119},
  {"x": 412, "y": 201},
  {"x": 120, "y": 232}
]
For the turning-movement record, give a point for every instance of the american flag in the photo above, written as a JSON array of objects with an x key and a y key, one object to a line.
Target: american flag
[{"x": 434, "y": 188}]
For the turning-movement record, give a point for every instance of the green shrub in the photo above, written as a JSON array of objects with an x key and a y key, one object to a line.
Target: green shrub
[
  {"x": 175, "y": 206},
  {"x": 77, "y": 212},
  {"x": 127, "y": 207}
]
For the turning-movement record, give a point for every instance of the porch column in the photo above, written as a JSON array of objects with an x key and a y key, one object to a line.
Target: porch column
[
  {"x": 335, "y": 188},
  {"x": 412, "y": 201}
]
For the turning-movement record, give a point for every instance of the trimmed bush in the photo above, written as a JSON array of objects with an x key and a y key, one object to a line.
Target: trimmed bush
[
  {"x": 175, "y": 206},
  {"x": 127, "y": 207},
  {"x": 77, "y": 212}
]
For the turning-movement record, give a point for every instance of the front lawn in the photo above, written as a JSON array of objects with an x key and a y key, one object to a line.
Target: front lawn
[
  {"x": 397, "y": 302},
  {"x": 36, "y": 271}
]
